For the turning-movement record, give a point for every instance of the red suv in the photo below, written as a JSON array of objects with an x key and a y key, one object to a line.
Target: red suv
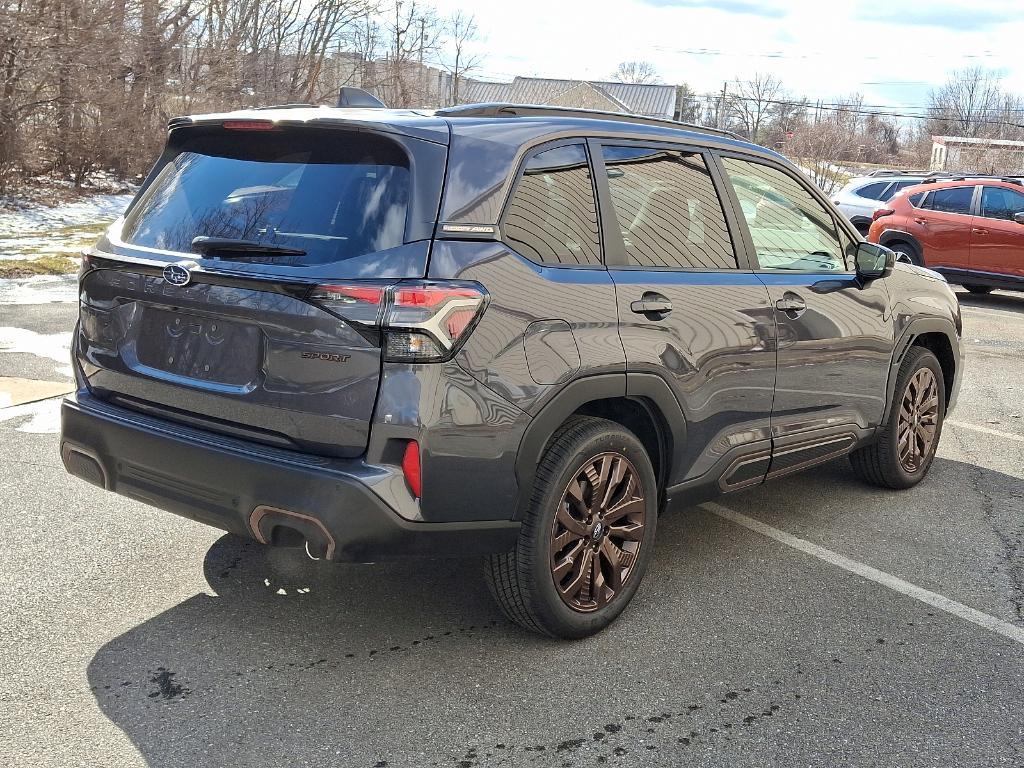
[{"x": 969, "y": 229}]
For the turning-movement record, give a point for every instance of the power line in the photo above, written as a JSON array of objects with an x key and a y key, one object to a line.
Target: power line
[
  {"x": 814, "y": 54},
  {"x": 842, "y": 109}
]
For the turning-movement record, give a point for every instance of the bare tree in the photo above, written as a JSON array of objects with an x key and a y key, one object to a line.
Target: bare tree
[
  {"x": 688, "y": 107},
  {"x": 966, "y": 104},
  {"x": 636, "y": 72},
  {"x": 456, "y": 58},
  {"x": 816, "y": 147},
  {"x": 413, "y": 34},
  {"x": 751, "y": 103}
]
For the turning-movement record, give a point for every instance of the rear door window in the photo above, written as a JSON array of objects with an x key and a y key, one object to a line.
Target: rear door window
[
  {"x": 667, "y": 209},
  {"x": 873, "y": 191},
  {"x": 552, "y": 217},
  {"x": 329, "y": 194},
  {"x": 949, "y": 200}
]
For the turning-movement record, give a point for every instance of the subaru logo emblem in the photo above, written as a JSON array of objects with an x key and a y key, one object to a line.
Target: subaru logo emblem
[{"x": 175, "y": 274}]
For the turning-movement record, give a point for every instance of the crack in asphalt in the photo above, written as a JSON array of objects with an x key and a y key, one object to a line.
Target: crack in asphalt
[{"x": 1011, "y": 542}]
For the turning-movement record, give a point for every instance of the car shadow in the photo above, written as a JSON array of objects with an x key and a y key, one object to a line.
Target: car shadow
[
  {"x": 1013, "y": 301},
  {"x": 294, "y": 662}
]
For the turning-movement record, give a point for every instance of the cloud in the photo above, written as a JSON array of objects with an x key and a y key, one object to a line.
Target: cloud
[
  {"x": 962, "y": 19},
  {"x": 746, "y": 7}
]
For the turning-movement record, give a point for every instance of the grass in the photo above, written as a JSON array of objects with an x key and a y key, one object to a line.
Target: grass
[
  {"x": 51, "y": 255},
  {"x": 44, "y": 265}
]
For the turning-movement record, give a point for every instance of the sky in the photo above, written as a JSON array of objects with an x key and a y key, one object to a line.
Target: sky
[{"x": 891, "y": 51}]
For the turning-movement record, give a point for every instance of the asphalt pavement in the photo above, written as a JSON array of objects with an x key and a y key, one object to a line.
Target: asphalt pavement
[{"x": 772, "y": 630}]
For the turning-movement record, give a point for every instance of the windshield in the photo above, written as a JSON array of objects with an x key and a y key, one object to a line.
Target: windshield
[{"x": 333, "y": 195}]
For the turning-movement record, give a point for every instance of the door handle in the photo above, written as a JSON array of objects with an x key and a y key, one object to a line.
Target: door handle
[
  {"x": 651, "y": 304},
  {"x": 922, "y": 222},
  {"x": 792, "y": 304},
  {"x": 981, "y": 231}
]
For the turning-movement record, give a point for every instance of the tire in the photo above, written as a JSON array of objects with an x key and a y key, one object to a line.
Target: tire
[
  {"x": 981, "y": 289},
  {"x": 882, "y": 463},
  {"x": 523, "y": 581},
  {"x": 899, "y": 246}
]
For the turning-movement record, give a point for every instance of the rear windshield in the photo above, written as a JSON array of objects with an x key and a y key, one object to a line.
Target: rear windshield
[{"x": 332, "y": 194}]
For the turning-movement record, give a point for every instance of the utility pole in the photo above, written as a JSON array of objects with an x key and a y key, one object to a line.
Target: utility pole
[
  {"x": 423, "y": 34},
  {"x": 721, "y": 105},
  {"x": 397, "y": 96}
]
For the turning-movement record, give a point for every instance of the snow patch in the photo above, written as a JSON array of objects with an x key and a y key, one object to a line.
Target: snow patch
[
  {"x": 55, "y": 346},
  {"x": 39, "y": 289},
  {"x": 32, "y": 217},
  {"x": 42, "y": 417}
]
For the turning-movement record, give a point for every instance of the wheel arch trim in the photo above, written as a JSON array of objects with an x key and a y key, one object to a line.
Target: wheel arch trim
[
  {"x": 911, "y": 333},
  {"x": 667, "y": 415},
  {"x": 891, "y": 235}
]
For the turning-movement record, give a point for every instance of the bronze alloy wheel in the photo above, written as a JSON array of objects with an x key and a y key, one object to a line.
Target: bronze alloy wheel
[
  {"x": 918, "y": 420},
  {"x": 597, "y": 532}
]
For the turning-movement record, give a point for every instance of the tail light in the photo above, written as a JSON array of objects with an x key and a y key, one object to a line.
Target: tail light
[
  {"x": 882, "y": 212},
  {"x": 423, "y": 321}
]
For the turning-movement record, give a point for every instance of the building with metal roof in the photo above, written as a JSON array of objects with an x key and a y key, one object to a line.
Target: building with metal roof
[{"x": 647, "y": 99}]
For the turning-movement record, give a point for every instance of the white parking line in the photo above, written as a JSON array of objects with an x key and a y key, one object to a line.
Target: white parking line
[
  {"x": 894, "y": 583},
  {"x": 1006, "y": 314},
  {"x": 986, "y": 430}
]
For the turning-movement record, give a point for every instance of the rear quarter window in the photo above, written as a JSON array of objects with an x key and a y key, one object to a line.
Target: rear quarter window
[
  {"x": 331, "y": 194},
  {"x": 552, "y": 216}
]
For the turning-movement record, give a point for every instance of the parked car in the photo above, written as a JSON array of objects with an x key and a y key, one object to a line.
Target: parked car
[
  {"x": 971, "y": 230},
  {"x": 864, "y": 195},
  {"x": 516, "y": 332}
]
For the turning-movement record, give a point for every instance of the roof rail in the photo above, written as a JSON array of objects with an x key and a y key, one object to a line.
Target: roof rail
[
  {"x": 294, "y": 105},
  {"x": 503, "y": 109},
  {"x": 977, "y": 176},
  {"x": 908, "y": 172}
]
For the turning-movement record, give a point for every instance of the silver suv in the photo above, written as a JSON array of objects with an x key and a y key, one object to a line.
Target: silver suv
[{"x": 864, "y": 195}]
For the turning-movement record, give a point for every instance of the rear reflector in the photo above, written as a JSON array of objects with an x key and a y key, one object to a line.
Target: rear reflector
[
  {"x": 411, "y": 467},
  {"x": 882, "y": 212},
  {"x": 249, "y": 125}
]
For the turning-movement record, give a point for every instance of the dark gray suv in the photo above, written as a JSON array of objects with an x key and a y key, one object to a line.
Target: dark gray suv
[{"x": 497, "y": 330}]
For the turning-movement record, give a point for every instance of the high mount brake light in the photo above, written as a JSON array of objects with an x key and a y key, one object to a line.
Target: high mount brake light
[
  {"x": 423, "y": 321},
  {"x": 249, "y": 125}
]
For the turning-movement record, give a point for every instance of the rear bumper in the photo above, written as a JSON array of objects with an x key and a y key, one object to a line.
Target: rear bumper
[{"x": 256, "y": 492}]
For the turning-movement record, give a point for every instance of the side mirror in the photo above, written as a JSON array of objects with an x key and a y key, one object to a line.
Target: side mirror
[
  {"x": 1019, "y": 217},
  {"x": 874, "y": 261}
]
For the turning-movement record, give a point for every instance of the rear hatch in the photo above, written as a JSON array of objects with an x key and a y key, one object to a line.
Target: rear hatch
[{"x": 202, "y": 306}]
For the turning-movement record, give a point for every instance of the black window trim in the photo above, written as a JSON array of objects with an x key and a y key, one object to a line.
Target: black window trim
[
  {"x": 615, "y": 249},
  {"x": 842, "y": 224},
  {"x": 533, "y": 151}
]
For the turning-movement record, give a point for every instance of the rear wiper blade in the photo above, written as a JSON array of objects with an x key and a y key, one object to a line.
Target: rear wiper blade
[{"x": 238, "y": 247}]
